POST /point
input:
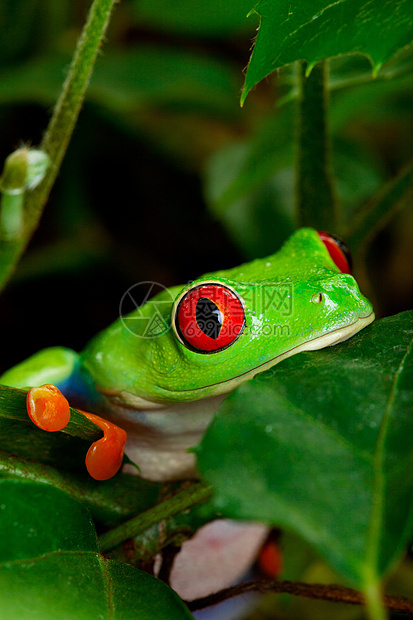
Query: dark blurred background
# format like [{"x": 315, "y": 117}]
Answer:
[{"x": 166, "y": 177}]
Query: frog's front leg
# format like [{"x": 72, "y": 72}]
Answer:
[
  {"x": 51, "y": 372},
  {"x": 55, "y": 365}
]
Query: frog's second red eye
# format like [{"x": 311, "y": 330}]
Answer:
[
  {"x": 209, "y": 317},
  {"x": 338, "y": 250}
]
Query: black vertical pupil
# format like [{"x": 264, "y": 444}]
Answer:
[{"x": 209, "y": 317}]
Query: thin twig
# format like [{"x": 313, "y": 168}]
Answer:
[
  {"x": 168, "y": 556},
  {"x": 332, "y": 593}
]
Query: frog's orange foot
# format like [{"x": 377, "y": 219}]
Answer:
[
  {"x": 49, "y": 410},
  {"x": 104, "y": 457}
]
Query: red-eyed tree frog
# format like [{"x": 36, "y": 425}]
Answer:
[{"x": 162, "y": 372}]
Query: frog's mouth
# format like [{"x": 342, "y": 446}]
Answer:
[
  {"x": 340, "y": 334},
  {"x": 336, "y": 336}
]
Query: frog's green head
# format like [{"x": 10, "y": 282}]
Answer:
[{"x": 206, "y": 338}]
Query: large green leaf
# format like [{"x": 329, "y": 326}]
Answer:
[
  {"x": 316, "y": 30},
  {"x": 50, "y": 566},
  {"x": 322, "y": 444}
]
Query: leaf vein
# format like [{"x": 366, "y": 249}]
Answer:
[
  {"x": 103, "y": 562},
  {"x": 58, "y": 552},
  {"x": 377, "y": 516},
  {"x": 316, "y": 16},
  {"x": 333, "y": 433}
]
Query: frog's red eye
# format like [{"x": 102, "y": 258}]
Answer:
[
  {"x": 338, "y": 251},
  {"x": 209, "y": 317}
]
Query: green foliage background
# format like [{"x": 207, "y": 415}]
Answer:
[{"x": 166, "y": 177}]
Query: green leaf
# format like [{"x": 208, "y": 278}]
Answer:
[
  {"x": 243, "y": 167},
  {"x": 109, "y": 501},
  {"x": 317, "y": 30},
  {"x": 206, "y": 18},
  {"x": 138, "y": 76},
  {"x": 50, "y": 566},
  {"x": 371, "y": 102},
  {"x": 29, "y": 528},
  {"x": 163, "y": 74},
  {"x": 321, "y": 444},
  {"x": 29, "y": 24},
  {"x": 260, "y": 220},
  {"x": 375, "y": 214}
]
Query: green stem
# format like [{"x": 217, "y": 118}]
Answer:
[
  {"x": 11, "y": 215},
  {"x": 59, "y": 130},
  {"x": 316, "y": 204},
  {"x": 135, "y": 526},
  {"x": 374, "y": 603},
  {"x": 375, "y": 215}
]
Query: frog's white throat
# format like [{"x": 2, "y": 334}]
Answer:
[{"x": 159, "y": 439}]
